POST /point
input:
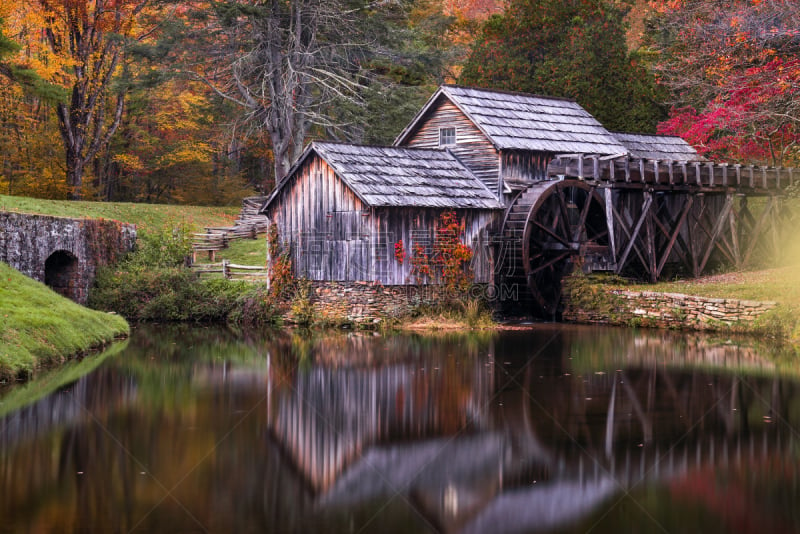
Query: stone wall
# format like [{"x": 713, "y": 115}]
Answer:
[
  {"x": 62, "y": 252},
  {"x": 366, "y": 302},
  {"x": 668, "y": 310}
]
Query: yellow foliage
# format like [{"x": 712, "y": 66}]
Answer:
[
  {"x": 31, "y": 161},
  {"x": 130, "y": 162}
]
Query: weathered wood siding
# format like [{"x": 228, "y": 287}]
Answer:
[
  {"x": 522, "y": 166},
  {"x": 325, "y": 224},
  {"x": 418, "y": 225},
  {"x": 472, "y": 147}
]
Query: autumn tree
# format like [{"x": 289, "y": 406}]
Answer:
[
  {"x": 568, "y": 48},
  {"x": 86, "y": 39},
  {"x": 733, "y": 69},
  {"x": 316, "y": 67},
  {"x": 7, "y": 48},
  {"x": 29, "y": 158}
]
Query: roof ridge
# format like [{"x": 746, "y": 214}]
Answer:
[
  {"x": 392, "y": 147},
  {"x": 508, "y": 92}
]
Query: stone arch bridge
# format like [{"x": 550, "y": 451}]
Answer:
[{"x": 61, "y": 252}]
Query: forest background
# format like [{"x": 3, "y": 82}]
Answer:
[{"x": 206, "y": 101}]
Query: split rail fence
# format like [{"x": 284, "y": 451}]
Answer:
[
  {"x": 215, "y": 238},
  {"x": 232, "y": 271}
]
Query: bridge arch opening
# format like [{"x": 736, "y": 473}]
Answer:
[{"x": 62, "y": 274}]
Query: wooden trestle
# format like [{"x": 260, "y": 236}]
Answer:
[{"x": 661, "y": 217}]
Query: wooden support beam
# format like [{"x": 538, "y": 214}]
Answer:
[
  {"x": 627, "y": 166},
  {"x": 718, "y": 226},
  {"x": 648, "y": 201},
  {"x": 724, "y": 246},
  {"x": 627, "y": 231},
  {"x": 693, "y": 243},
  {"x": 650, "y": 240},
  {"x": 641, "y": 171},
  {"x": 721, "y": 243},
  {"x": 751, "y": 181},
  {"x": 744, "y": 212},
  {"x": 608, "y": 197},
  {"x": 710, "y": 174},
  {"x": 669, "y": 170},
  {"x": 675, "y": 233},
  {"x": 735, "y": 239},
  {"x": 738, "y": 169},
  {"x": 679, "y": 241},
  {"x": 698, "y": 178},
  {"x": 775, "y": 227},
  {"x": 595, "y": 167},
  {"x": 584, "y": 213}
]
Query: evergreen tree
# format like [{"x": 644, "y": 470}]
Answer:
[{"x": 568, "y": 48}]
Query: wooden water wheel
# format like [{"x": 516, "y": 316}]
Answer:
[{"x": 554, "y": 226}]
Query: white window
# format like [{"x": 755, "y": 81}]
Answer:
[{"x": 447, "y": 136}]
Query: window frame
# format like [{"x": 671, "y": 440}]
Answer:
[{"x": 443, "y": 131}]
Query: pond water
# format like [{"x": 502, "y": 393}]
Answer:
[{"x": 550, "y": 429}]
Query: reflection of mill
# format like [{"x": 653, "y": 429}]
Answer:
[
  {"x": 329, "y": 417},
  {"x": 537, "y": 451}
]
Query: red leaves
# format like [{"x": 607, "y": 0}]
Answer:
[
  {"x": 738, "y": 69},
  {"x": 399, "y": 252},
  {"x": 449, "y": 258}
]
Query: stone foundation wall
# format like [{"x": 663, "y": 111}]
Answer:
[
  {"x": 27, "y": 241},
  {"x": 366, "y": 302},
  {"x": 670, "y": 310}
]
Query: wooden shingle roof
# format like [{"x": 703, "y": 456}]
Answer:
[
  {"x": 402, "y": 177},
  {"x": 660, "y": 147},
  {"x": 519, "y": 121}
]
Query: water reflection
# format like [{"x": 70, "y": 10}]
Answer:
[{"x": 556, "y": 428}]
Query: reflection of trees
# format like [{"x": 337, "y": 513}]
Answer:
[{"x": 459, "y": 428}]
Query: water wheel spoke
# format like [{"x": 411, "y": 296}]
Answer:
[
  {"x": 552, "y": 234},
  {"x": 565, "y": 218},
  {"x": 582, "y": 220},
  {"x": 564, "y": 211},
  {"x": 550, "y": 262}
]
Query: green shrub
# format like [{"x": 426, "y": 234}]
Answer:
[
  {"x": 779, "y": 323},
  {"x": 165, "y": 247},
  {"x": 166, "y": 294},
  {"x": 254, "y": 308},
  {"x": 476, "y": 314},
  {"x": 303, "y": 312}
]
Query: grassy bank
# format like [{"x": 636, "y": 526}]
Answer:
[
  {"x": 780, "y": 285},
  {"x": 39, "y": 327},
  {"x": 147, "y": 217}
]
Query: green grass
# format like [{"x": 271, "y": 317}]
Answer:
[
  {"x": 51, "y": 380},
  {"x": 244, "y": 252},
  {"x": 145, "y": 216},
  {"x": 39, "y": 327},
  {"x": 781, "y": 285}
]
